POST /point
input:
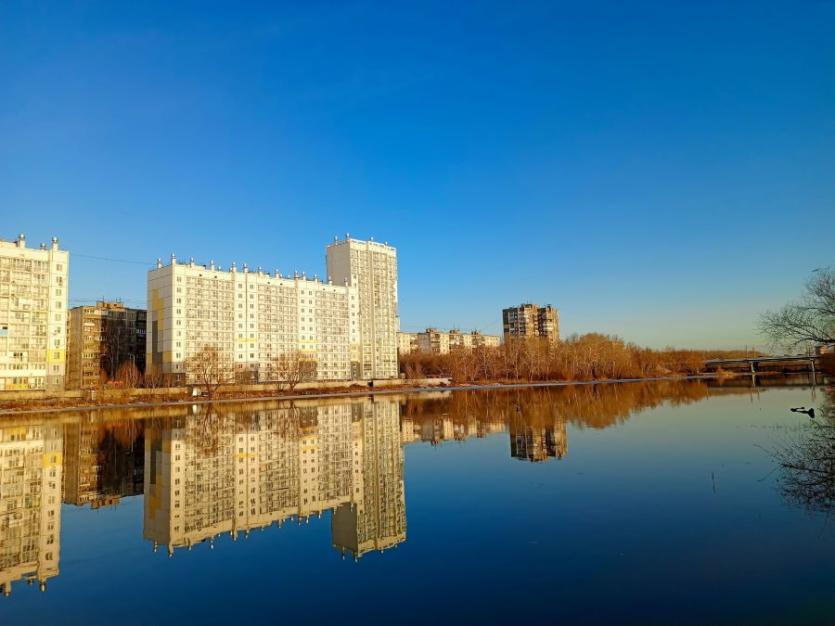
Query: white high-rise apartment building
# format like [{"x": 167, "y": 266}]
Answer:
[
  {"x": 251, "y": 317},
  {"x": 371, "y": 268},
  {"x": 33, "y": 309}
]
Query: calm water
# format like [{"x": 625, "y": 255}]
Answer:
[{"x": 644, "y": 503}]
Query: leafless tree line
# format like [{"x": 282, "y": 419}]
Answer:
[
  {"x": 211, "y": 369},
  {"x": 586, "y": 357}
]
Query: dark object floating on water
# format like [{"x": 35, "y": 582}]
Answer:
[{"x": 803, "y": 409}]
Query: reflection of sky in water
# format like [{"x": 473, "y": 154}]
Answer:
[{"x": 653, "y": 511}]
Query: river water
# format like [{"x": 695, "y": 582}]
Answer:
[{"x": 662, "y": 502}]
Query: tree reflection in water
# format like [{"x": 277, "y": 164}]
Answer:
[{"x": 807, "y": 464}]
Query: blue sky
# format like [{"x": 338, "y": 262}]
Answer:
[{"x": 661, "y": 171}]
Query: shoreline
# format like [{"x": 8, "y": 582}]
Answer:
[
  {"x": 372, "y": 391},
  {"x": 493, "y": 386}
]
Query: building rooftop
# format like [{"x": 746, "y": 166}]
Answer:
[
  {"x": 233, "y": 268},
  {"x": 20, "y": 242},
  {"x": 348, "y": 239}
]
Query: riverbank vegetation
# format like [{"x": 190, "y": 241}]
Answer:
[{"x": 585, "y": 357}]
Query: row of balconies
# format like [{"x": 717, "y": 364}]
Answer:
[
  {"x": 21, "y": 289},
  {"x": 26, "y": 265}
]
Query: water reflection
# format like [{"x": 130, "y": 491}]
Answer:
[
  {"x": 103, "y": 461},
  {"x": 231, "y": 469},
  {"x": 30, "y": 503},
  {"x": 234, "y": 471},
  {"x": 807, "y": 461}
]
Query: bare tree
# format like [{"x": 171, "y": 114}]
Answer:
[
  {"x": 808, "y": 320},
  {"x": 115, "y": 343},
  {"x": 153, "y": 377},
  {"x": 292, "y": 368},
  {"x": 209, "y": 369},
  {"x": 128, "y": 375}
]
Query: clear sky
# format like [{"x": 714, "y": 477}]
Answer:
[{"x": 663, "y": 171}]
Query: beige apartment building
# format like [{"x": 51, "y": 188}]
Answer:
[
  {"x": 531, "y": 320},
  {"x": 406, "y": 342},
  {"x": 33, "y": 306},
  {"x": 30, "y": 502},
  {"x": 100, "y": 338},
  {"x": 485, "y": 341},
  {"x": 457, "y": 339},
  {"x": 436, "y": 341},
  {"x": 371, "y": 268},
  {"x": 252, "y": 318}
]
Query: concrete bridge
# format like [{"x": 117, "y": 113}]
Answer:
[{"x": 753, "y": 363}]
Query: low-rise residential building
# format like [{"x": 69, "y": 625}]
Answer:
[
  {"x": 436, "y": 341},
  {"x": 457, "y": 339},
  {"x": 531, "y": 320},
  {"x": 33, "y": 306},
  {"x": 485, "y": 341},
  {"x": 100, "y": 338},
  {"x": 406, "y": 342}
]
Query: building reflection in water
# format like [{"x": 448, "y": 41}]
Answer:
[
  {"x": 538, "y": 443},
  {"x": 232, "y": 469},
  {"x": 103, "y": 461},
  {"x": 30, "y": 503}
]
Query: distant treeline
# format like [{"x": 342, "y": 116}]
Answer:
[{"x": 585, "y": 357}]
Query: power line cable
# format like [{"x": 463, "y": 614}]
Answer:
[{"x": 103, "y": 258}]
